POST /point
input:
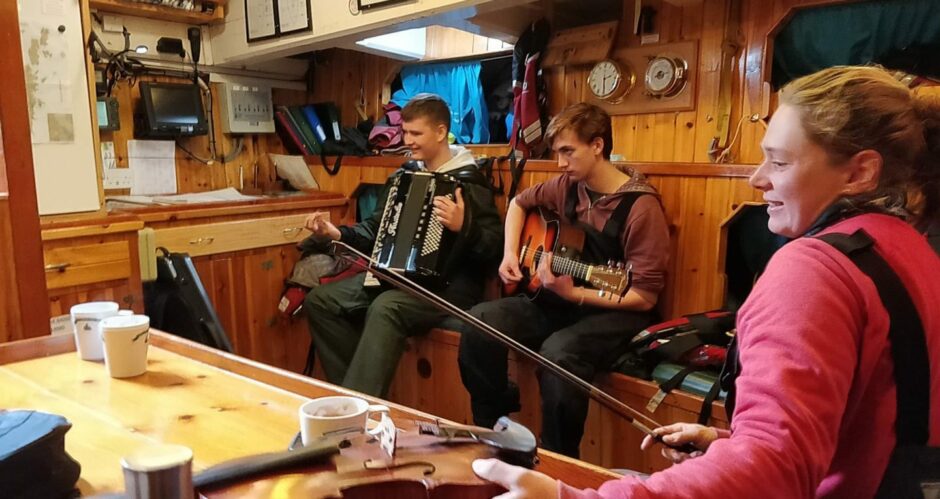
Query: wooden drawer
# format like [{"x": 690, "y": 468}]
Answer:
[
  {"x": 76, "y": 265},
  {"x": 209, "y": 239}
]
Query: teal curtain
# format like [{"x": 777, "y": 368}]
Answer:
[
  {"x": 818, "y": 38},
  {"x": 460, "y": 87}
]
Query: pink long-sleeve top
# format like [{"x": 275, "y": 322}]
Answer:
[{"x": 816, "y": 406}]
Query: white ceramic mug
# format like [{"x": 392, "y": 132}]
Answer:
[
  {"x": 86, "y": 322},
  {"x": 335, "y": 415},
  {"x": 125, "y": 338}
]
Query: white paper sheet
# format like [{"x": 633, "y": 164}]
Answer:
[
  {"x": 260, "y": 15},
  {"x": 153, "y": 163},
  {"x": 216, "y": 196},
  {"x": 48, "y": 88},
  {"x": 118, "y": 178},
  {"x": 108, "y": 158},
  {"x": 292, "y": 15},
  {"x": 294, "y": 169}
]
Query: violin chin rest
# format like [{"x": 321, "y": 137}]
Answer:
[{"x": 515, "y": 442}]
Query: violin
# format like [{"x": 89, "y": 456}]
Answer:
[{"x": 430, "y": 460}]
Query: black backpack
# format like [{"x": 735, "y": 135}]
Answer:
[{"x": 177, "y": 302}]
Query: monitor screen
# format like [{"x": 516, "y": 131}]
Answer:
[
  {"x": 102, "y": 114},
  {"x": 172, "y": 110},
  {"x": 176, "y": 104}
]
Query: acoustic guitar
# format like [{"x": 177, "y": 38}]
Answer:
[{"x": 544, "y": 232}]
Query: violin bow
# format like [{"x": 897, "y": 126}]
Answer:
[{"x": 633, "y": 416}]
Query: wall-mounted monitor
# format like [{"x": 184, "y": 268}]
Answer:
[
  {"x": 170, "y": 110},
  {"x": 108, "y": 116}
]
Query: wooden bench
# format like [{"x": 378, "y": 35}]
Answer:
[{"x": 428, "y": 379}]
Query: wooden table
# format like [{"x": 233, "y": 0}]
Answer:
[{"x": 220, "y": 405}]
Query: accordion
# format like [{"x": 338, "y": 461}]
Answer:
[{"x": 410, "y": 239}]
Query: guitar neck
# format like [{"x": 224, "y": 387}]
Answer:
[{"x": 574, "y": 268}]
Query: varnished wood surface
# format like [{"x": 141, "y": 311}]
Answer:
[
  {"x": 219, "y": 405},
  {"x": 163, "y": 216},
  {"x": 21, "y": 262},
  {"x": 222, "y": 237},
  {"x": 103, "y": 263}
]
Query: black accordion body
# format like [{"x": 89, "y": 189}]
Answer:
[{"x": 410, "y": 239}]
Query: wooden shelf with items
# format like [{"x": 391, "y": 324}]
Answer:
[{"x": 162, "y": 12}]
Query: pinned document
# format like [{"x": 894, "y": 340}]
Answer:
[{"x": 153, "y": 163}]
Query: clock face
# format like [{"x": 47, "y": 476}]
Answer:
[
  {"x": 607, "y": 80},
  {"x": 665, "y": 76}
]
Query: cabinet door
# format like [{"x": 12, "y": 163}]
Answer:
[{"x": 63, "y": 140}]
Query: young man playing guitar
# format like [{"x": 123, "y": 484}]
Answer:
[
  {"x": 571, "y": 325},
  {"x": 364, "y": 358}
]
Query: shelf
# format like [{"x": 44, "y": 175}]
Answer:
[{"x": 159, "y": 12}]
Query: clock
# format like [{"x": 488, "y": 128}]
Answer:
[
  {"x": 610, "y": 80},
  {"x": 666, "y": 76}
]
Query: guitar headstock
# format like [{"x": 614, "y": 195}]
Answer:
[{"x": 612, "y": 280}]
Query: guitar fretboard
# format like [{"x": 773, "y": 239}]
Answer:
[{"x": 566, "y": 266}]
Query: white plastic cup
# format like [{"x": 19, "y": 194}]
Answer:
[
  {"x": 126, "y": 338},
  {"x": 327, "y": 416},
  {"x": 86, "y": 322}
]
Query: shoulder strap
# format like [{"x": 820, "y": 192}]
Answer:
[
  {"x": 571, "y": 204},
  {"x": 905, "y": 334},
  {"x": 618, "y": 218}
]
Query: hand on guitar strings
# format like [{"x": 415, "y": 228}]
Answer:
[
  {"x": 509, "y": 270},
  {"x": 562, "y": 286},
  {"x": 520, "y": 483},
  {"x": 319, "y": 223},
  {"x": 450, "y": 211},
  {"x": 678, "y": 434}
]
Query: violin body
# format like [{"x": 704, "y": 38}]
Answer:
[{"x": 423, "y": 467}]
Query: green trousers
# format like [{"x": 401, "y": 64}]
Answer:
[{"x": 364, "y": 358}]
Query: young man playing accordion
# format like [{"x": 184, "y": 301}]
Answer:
[{"x": 365, "y": 359}]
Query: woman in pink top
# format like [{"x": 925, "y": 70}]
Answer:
[{"x": 849, "y": 148}]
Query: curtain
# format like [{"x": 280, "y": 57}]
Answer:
[
  {"x": 460, "y": 87},
  {"x": 860, "y": 33}
]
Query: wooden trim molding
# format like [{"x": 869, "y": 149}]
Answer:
[
  {"x": 543, "y": 165},
  {"x": 18, "y": 159}
]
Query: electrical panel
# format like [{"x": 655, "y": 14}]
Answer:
[{"x": 246, "y": 108}]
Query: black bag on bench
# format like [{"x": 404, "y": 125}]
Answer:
[{"x": 177, "y": 302}]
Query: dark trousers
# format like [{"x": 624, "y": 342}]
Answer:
[
  {"x": 364, "y": 358},
  {"x": 582, "y": 340}
]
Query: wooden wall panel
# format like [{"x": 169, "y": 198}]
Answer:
[
  {"x": 10, "y": 320},
  {"x": 443, "y": 42},
  {"x": 250, "y": 167},
  {"x": 245, "y": 288}
]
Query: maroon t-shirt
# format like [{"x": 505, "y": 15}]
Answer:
[{"x": 645, "y": 234}]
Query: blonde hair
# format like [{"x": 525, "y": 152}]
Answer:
[
  {"x": 587, "y": 121},
  {"x": 848, "y": 109}
]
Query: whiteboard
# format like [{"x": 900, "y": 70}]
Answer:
[{"x": 59, "y": 106}]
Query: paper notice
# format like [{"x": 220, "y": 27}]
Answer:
[
  {"x": 153, "y": 163},
  {"x": 295, "y": 170},
  {"x": 118, "y": 178}
]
